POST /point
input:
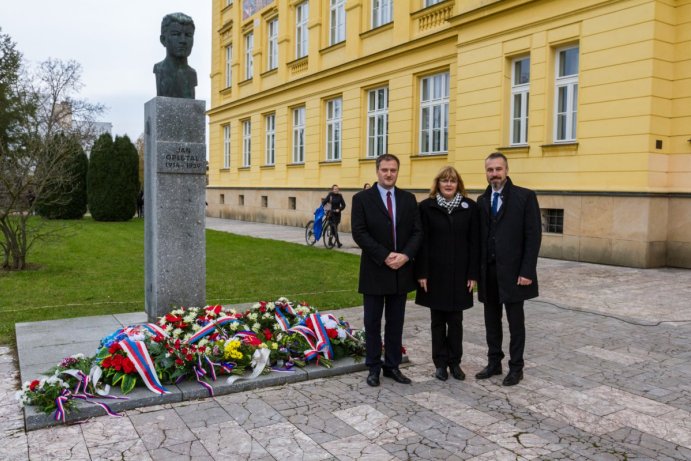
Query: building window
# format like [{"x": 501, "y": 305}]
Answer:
[
  {"x": 265, "y": 201},
  {"x": 299, "y": 135},
  {"x": 333, "y": 128},
  {"x": 337, "y": 20},
  {"x": 229, "y": 66},
  {"x": 249, "y": 59},
  {"x": 382, "y": 12},
  {"x": 272, "y": 45},
  {"x": 520, "y": 90},
  {"x": 377, "y": 121},
  {"x": 222, "y": 199},
  {"x": 241, "y": 200},
  {"x": 226, "y": 146},
  {"x": 432, "y": 2},
  {"x": 246, "y": 143},
  {"x": 292, "y": 203},
  {"x": 552, "y": 220},
  {"x": 270, "y": 146},
  {"x": 301, "y": 31},
  {"x": 434, "y": 114},
  {"x": 566, "y": 95},
  {"x": 229, "y": 2}
]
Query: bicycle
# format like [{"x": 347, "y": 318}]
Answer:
[{"x": 325, "y": 228}]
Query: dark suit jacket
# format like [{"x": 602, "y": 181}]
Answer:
[
  {"x": 517, "y": 242},
  {"x": 371, "y": 227},
  {"x": 449, "y": 256}
]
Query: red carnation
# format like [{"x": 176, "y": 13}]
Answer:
[
  {"x": 34, "y": 384},
  {"x": 262, "y": 309},
  {"x": 179, "y": 362},
  {"x": 267, "y": 334},
  {"x": 117, "y": 362},
  {"x": 177, "y": 344},
  {"x": 107, "y": 363},
  {"x": 252, "y": 340},
  {"x": 170, "y": 318},
  {"x": 128, "y": 366},
  {"x": 332, "y": 333},
  {"x": 189, "y": 357},
  {"x": 113, "y": 348}
]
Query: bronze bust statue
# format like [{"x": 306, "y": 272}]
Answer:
[{"x": 174, "y": 78}]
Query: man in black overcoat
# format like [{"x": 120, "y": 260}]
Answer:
[
  {"x": 386, "y": 226},
  {"x": 510, "y": 236}
]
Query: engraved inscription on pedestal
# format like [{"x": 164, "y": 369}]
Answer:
[{"x": 181, "y": 157}]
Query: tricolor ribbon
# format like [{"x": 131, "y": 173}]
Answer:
[
  {"x": 139, "y": 355},
  {"x": 210, "y": 327},
  {"x": 323, "y": 341},
  {"x": 308, "y": 334},
  {"x": 65, "y": 395}
]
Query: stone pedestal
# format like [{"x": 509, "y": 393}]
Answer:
[{"x": 174, "y": 201}]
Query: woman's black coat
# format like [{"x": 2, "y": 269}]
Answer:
[{"x": 449, "y": 255}]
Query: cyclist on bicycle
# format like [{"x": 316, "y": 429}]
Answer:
[{"x": 333, "y": 204}]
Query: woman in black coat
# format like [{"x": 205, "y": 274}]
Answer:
[
  {"x": 447, "y": 266},
  {"x": 337, "y": 204}
]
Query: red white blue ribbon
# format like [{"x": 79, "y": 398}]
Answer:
[
  {"x": 210, "y": 327},
  {"x": 65, "y": 395},
  {"x": 323, "y": 341},
  {"x": 139, "y": 355}
]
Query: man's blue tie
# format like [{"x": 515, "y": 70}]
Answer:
[{"x": 495, "y": 203}]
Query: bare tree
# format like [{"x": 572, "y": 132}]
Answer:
[{"x": 34, "y": 165}]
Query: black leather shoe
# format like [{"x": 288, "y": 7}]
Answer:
[
  {"x": 513, "y": 378},
  {"x": 373, "y": 379},
  {"x": 396, "y": 375},
  {"x": 441, "y": 374},
  {"x": 488, "y": 371},
  {"x": 456, "y": 372}
]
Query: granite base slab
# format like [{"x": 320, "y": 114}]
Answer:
[{"x": 41, "y": 345}]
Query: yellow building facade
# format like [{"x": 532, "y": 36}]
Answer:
[{"x": 589, "y": 100}]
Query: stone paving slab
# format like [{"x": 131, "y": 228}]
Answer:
[
  {"x": 577, "y": 401},
  {"x": 607, "y": 378}
]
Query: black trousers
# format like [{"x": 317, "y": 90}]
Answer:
[
  {"x": 447, "y": 337},
  {"x": 393, "y": 309},
  {"x": 493, "y": 315}
]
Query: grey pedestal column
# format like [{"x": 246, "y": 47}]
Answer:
[{"x": 174, "y": 205}]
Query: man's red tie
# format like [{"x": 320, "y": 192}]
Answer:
[{"x": 389, "y": 207}]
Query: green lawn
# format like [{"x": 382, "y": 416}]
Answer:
[{"x": 98, "y": 268}]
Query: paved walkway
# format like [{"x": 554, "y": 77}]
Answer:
[{"x": 608, "y": 377}]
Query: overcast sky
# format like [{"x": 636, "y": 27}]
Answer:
[{"x": 115, "y": 41}]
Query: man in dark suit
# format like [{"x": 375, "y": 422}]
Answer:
[
  {"x": 510, "y": 236},
  {"x": 386, "y": 225}
]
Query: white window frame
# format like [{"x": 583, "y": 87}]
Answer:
[
  {"x": 226, "y": 146},
  {"x": 337, "y": 21},
  {"x": 270, "y": 138},
  {"x": 249, "y": 58},
  {"x": 299, "y": 135},
  {"x": 569, "y": 84},
  {"x": 382, "y": 12},
  {"x": 334, "y": 132},
  {"x": 437, "y": 101},
  {"x": 520, "y": 99},
  {"x": 432, "y": 2},
  {"x": 301, "y": 30},
  {"x": 377, "y": 121},
  {"x": 272, "y": 44},
  {"x": 246, "y": 143},
  {"x": 229, "y": 66}
]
